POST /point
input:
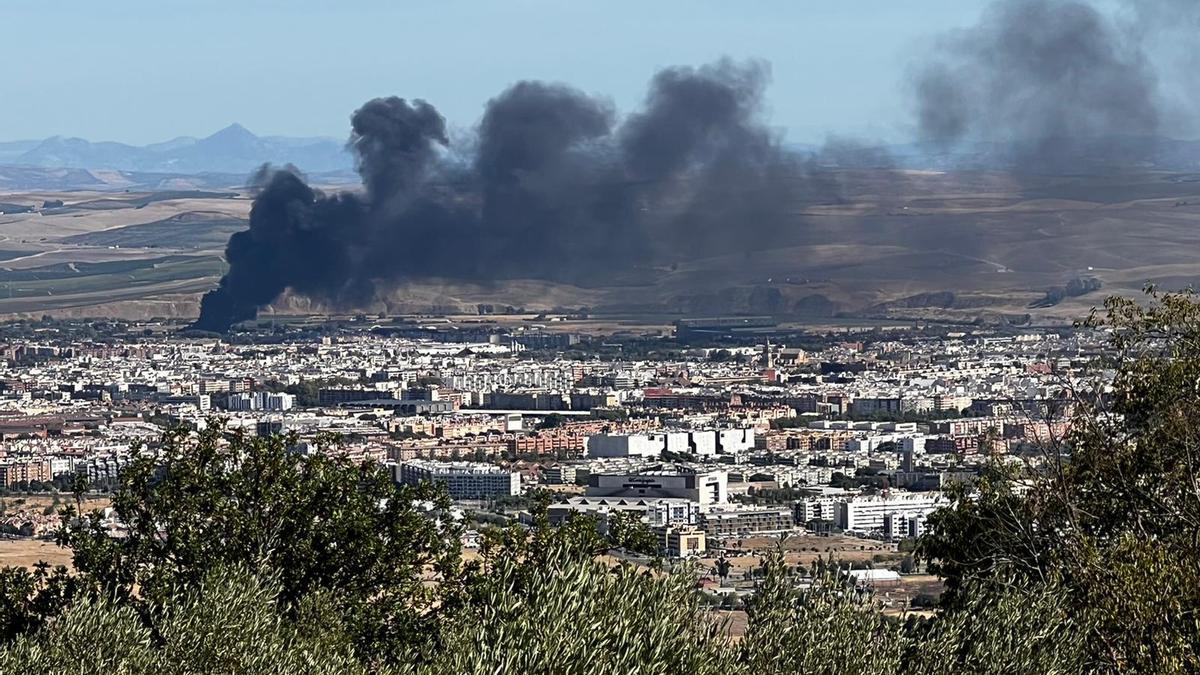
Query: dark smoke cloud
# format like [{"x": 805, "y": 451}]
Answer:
[
  {"x": 1055, "y": 81},
  {"x": 396, "y": 143},
  {"x": 543, "y": 169},
  {"x": 699, "y": 144},
  {"x": 697, "y": 117},
  {"x": 555, "y": 189},
  {"x": 288, "y": 232}
]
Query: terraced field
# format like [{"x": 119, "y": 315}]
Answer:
[
  {"x": 124, "y": 254},
  {"x": 202, "y": 230}
]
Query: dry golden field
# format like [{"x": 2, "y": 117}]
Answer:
[{"x": 28, "y": 552}]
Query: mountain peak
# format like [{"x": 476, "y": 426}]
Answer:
[{"x": 234, "y": 131}]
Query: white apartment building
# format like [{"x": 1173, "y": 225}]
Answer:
[
  {"x": 276, "y": 402},
  {"x": 899, "y": 525},
  {"x": 895, "y": 514},
  {"x": 871, "y": 513},
  {"x": 628, "y": 445},
  {"x": 563, "y": 474},
  {"x": 702, "y": 442},
  {"x": 555, "y": 378},
  {"x": 261, "y": 400},
  {"x": 817, "y": 508},
  {"x": 463, "y": 480},
  {"x": 793, "y": 476}
]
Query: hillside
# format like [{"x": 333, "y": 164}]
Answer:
[{"x": 896, "y": 245}]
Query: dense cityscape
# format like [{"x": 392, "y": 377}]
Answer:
[{"x": 718, "y": 435}]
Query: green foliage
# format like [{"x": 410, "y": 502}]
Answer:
[
  {"x": 991, "y": 531},
  {"x": 306, "y": 391},
  {"x": 1109, "y": 519},
  {"x": 723, "y": 567},
  {"x": 789, "y": 423},
  {"x": 230, "y": 623},
  {"x": 609, "y": 414},
  {"x": 30, "y": 598},
  {"x": 784, "y": 495},
  {"x": 720, "y": 356},
  {"x": 1001, "y": 631},
  {"x": 571, "y": 613},
  {"x": 626, "y": 530},
  {"x": 94, "y": 637},
  {"x": 318, "y": 523},
  {"x": 540, "y": 601},
  {"x": 829, "y": 627}
]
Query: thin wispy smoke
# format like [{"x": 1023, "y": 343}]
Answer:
[{"x": 1053, "y": 82}]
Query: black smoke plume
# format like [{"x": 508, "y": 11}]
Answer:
[
  {"x": 1052, "y": 85},
  {"x": 556, "y": 187}
]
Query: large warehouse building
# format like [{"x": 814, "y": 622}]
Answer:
[{"x": 706, "y": 488}]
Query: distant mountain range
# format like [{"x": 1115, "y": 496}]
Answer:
[
  {"x": 237, "y": 151},
  {"x": 233, "y": 149}
]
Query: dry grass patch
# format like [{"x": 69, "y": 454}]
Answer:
[{"x": 28, "y": 552}]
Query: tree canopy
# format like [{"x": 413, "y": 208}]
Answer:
[
  {"x": 314, "y": 524},
  {"x": 1110, "y": 517}
]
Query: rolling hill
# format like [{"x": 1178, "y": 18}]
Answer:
[{"x": 898, "y": 245}]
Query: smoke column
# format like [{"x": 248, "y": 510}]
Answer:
[
  {"x": 557, "y": 188},
  {"x": 1055, "y": 81}
]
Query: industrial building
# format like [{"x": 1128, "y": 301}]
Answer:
[
  {"x": 709, "y": 328},
  {"x": 654, "y": 512},
  {"x": 706, "y": 488}
]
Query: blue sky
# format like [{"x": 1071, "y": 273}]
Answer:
[{"x": 140, "y": 71}]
